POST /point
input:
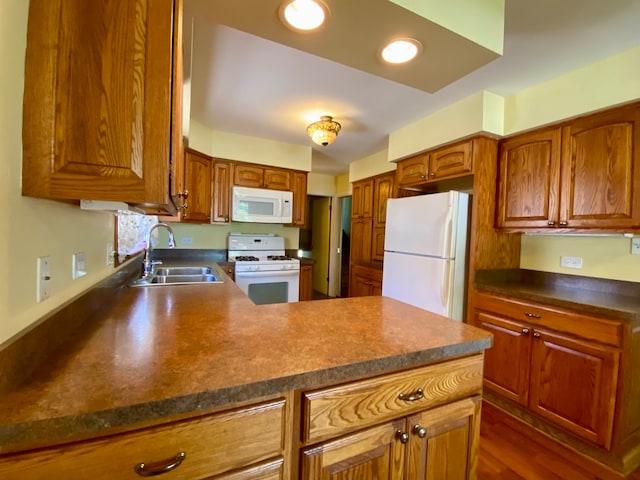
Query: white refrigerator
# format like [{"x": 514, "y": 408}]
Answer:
[{"x": 425, "y": 250}]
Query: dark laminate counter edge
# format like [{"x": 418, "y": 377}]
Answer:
[
  {"x": 594, "y": 296},
  {"x": 63, "y": 429}
]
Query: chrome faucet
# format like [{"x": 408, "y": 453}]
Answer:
[{"x": 147, "y": 264}]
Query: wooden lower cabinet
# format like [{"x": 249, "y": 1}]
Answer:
[
  {"x": 570, "y": 375},
  {"x": 212, "y": 445},
  {"x": 306, "y": 283},
  {"x": 365, "y": 281}
]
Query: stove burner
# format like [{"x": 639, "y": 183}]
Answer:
[
  {"x": 278, "y": 257},
  {"x": 246, "y": 258}
]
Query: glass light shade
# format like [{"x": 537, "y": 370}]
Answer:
[
  {"x": 325, "y": 131},
  {"x": 303, "y": 14},
  {"x": 401, "y": 50}
]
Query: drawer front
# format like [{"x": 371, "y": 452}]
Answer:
[
  {"x": 366, "y": 272},
  {"x": 333, "y": 411},
  {"x": 590, "y": 328},
  {"x": 213, "y": 444}
]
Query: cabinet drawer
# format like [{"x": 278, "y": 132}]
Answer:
[
  {"x": 368, "y": 273},
  {"x": 213, "y": 444},
  {"x": 333, "y": 411},
  {"x": 590, "y": 328}
]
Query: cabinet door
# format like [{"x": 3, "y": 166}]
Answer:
[
  {"x": 377, "y": 244},
  {"x": 529, "y": 180},
  {"x": 413, "y": 171},
  {"x": 601, "y": 171},
  {"x": 97, "y": 101},
  {"x": 248, "y": 176},
  {"x": 177, "y": 145},
  {"x": 221, "y": 192},
  {"x": 197, "y": 204},
  {"x": 452, "y": 161},
  {"x": 306, "y": 283},
  {"x": 299, "y": 184},
  {"x": 506, "y": 364},
  {"x": 573, "y": 383},
  {"x": 266, "y": 471},
  {"x": 276, "y": 179},
  {"x": 362, "y": 199},
  {"x": 361, "y": 234},
  {"x": 444, "y": 442},
  {"x": 372, "y": 453},
  {"x": 382, "y": 190}
]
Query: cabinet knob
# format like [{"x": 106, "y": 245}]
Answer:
[
  {"x": 563, "y": 223},
  {"x": 423, "y": 177},
  {"x": 412, "y": 397},
  {"x": 402, "y": 436},
  {"x": 145, "y": 470},
  {"x": 525, "y": 331},
  {"x": 536, "y": 335},
  {"x": 551, "y": 223},
  {"x": 531, "y": 315},
  {"x": 184, "y": 194},
  {"x": 432, "y": 174},
  {"x": 420, "y": 431}
]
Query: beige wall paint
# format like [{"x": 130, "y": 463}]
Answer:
[
  {"x": 249, "y": 149},
  {"x": 320, "y": 252},
  {"x": 480, "y": 112},
  {"x": 215, "y": 236},
  {"x": 602, "y": 257},
  {"x": 369, "y": 166},
  {"x": 482, "y": 22},
  {"x": 34, "y": 227},
  {"x": 343, "y": 185},
  {"x": 611, "y": 81},
  {"x": 321, "y": 185}
]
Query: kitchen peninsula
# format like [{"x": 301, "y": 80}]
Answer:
[{"x": 197, "y": 381}]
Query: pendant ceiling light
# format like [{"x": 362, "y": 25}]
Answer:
[{"x": 325, "y": 131}]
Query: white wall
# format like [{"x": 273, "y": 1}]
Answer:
[{"x": 33, "y": 227}]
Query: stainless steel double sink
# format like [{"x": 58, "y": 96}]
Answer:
[{"x": 179, "y": 275}]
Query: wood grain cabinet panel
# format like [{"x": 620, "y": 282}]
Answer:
[
  {"x": 306, "y": 283},
  {"x": 362, "y": 199},
  {"x": 364, "y": 281},
  {"x": 249, "y": 175},
  {"x": 451, "y": 161},
  {"x": 213, "y": 445},
  {"x": 581, "y": 174},
  {"x": 413, "y": 171},
  {"x": 221, "y": 208},
  {"x": 98, "y": 106},
  {"x": 550, "y": 370},
  {"x": 196, "y": 206},
  {"x": 299, "y": 188}
]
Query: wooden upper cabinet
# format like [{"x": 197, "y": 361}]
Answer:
[
  {"x": 98, "y": 106},
  {"x": 382, "y": 191},
  {"x": 196, "y": 206},
  {"x": 261, "y": 177},
  {"x": 529, "y": 179},
  {"x": 413, "y": 171},
  {"x": 362, "y": 199},
  {"x": 451, "y": 161},
  {"x": 299, "y": 188},
  {"x": 221, "y": 192},
  {"x": 582, "y": 174},
  {"x": 601, "y": 170}
]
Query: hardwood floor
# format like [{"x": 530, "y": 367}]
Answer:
[{"x": 508, "y": 454}]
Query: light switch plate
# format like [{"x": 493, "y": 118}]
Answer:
[
  {"x": 571, "y": 262},
  {"x": 79, "y": 265},
  {"x": 635, "y": 246}
]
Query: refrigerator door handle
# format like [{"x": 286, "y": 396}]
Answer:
[
  {"x": 446, "y": 283},
  {"x": 448, "y": 234}
]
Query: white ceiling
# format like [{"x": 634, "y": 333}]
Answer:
[{"x": 242, "y": 83}]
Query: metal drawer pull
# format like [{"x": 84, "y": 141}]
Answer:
[
  {"x": 145, "y": 470},
  {"x": 525, "y": 331},
  {"x": 417, "y": 395},
  {"x": 402, "y": 436},
  {"x": 532, "y": 315},
  {"x": 420, "y": 431},
  {"x": 536, "y": 334}
]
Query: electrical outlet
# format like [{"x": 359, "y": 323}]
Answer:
[
  {"x": 43, "y": 283},
  {"x": 635, "y": 246},
  {"x": 110, "y": 254},
  {"x": 571, "y": 262},
  {"x": 78, "y": 265},
  {"x": 186, "y": 240}
]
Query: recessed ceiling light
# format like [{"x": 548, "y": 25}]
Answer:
[
  {"x": 303, "y": 15},
  {"x": 401, "y": 50}
]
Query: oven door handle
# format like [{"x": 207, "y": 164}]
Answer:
[{"x": 265, "y": 273}]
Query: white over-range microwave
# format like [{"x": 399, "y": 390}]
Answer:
[{"x": 260, "y": 205}]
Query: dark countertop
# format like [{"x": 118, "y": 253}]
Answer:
[
  {"x": 147, "y": 354},
  {"x": 609, "y": 298}
]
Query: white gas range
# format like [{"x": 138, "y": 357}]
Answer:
[{"x": 262, "y": 269}]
